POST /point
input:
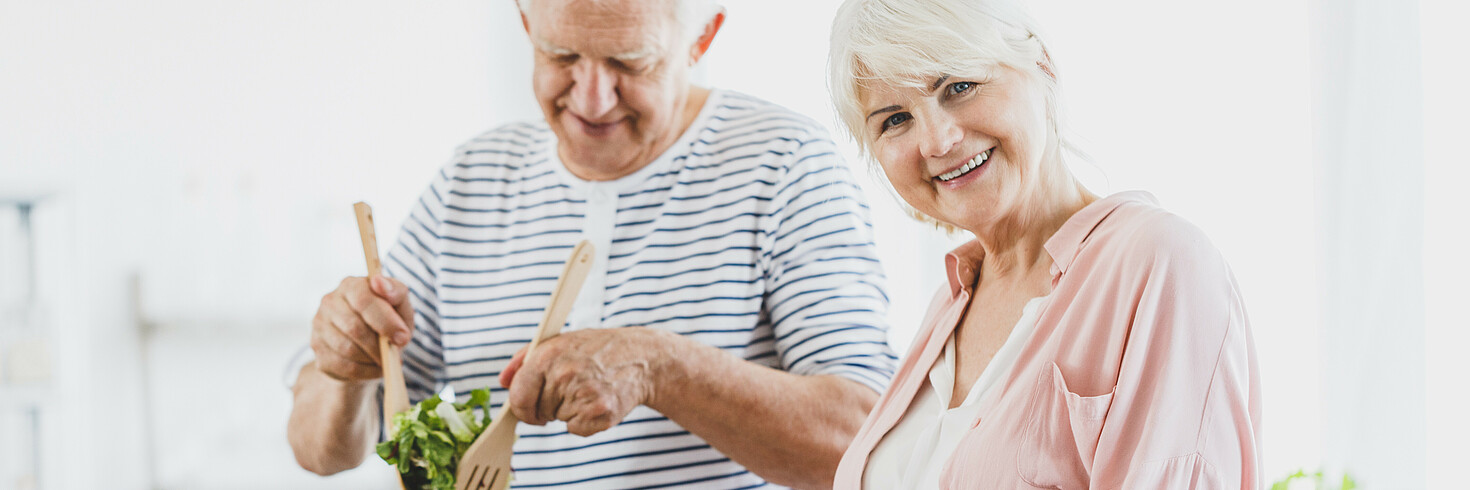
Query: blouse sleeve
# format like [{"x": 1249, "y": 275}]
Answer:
[{"x": 1186, "y": 411}]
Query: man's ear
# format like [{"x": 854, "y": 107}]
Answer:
[{"x": 708, "y": 36}]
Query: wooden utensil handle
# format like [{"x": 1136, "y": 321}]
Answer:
[
  {"x": 395, "y": 392},
  {"x": 490, "y": 454},
  {"x": 564, "y": 296}
]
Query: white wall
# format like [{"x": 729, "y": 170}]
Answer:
[
  {"x": 1369, "y": 139},
  {"x": 1445, "y": 44}
]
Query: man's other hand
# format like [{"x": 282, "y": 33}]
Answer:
[{"x": 589, "y": 378}]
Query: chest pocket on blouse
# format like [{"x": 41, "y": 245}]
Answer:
[{"x": 1061, "y": 433}]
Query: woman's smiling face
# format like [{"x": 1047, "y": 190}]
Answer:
[{"x": 965, "y": 150}]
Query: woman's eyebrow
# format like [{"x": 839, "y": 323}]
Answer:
[
  {"x": 885, "y": 109},
  {"x": 938, "y": 82}
]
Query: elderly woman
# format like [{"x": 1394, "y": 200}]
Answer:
[{"x": 1081, "y": 341}]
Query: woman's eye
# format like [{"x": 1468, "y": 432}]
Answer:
[
  {"x": 894, "y": 120},
  {"x": 960, "y": 87}
]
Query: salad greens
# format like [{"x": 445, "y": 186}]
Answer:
[{"x": 427, "y": 440}]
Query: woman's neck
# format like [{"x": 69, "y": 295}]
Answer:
[{"x": 1016, "y": 243}]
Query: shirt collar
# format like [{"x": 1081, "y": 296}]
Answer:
[
  {"x": 959, "y": 265},
  {"x": 1063, "y": 246}
]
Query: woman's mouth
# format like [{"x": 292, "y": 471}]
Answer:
[{"x": 968, "y": 167}]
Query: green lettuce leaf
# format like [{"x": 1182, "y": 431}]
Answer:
[{"x": 428, "y": 439}]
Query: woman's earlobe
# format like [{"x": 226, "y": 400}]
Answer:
[
  {"x": 1045, "y": 64},
  {"x": 1046, "y": 68}
]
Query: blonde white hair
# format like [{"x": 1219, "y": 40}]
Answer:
[
  {"x": 911, "y": 43},
  {"x": 692, "y": 15}
]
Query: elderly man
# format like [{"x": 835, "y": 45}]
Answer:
[{"x": 731, "y": 332}]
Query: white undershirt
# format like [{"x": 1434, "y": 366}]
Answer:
[
  {"x": 913, "y": 453},
  {"x": 602, "y": 210}
]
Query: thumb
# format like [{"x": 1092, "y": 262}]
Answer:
[
  {"x": 508, "y": 374},
  {"x": 396, "y": 293}
]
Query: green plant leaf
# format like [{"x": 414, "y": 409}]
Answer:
[{"x": 428, "y": 440}]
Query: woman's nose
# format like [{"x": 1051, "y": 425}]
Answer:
[{"x": 940, "y": 135}]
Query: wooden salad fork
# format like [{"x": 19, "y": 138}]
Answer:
[
  {"x": 486, "y": 464},
  {"x": 395, "y": 393}
]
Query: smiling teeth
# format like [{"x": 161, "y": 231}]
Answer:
[{"x": 972, "y": 165}]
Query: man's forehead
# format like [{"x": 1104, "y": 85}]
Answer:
[
  {"x": 611, "y": 6},
  {"x": 603, "y": 28}
]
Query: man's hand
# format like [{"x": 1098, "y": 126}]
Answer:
[
  {"x": 333, "y": 420},
  {"x": 790, "y": 429},
  {"x": 589, "y": 378},
  {"x": 344, "y": 333}
]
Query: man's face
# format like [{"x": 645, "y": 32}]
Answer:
[{"x": 612, "y": 80}]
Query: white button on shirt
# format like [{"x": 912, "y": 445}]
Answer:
[
  {"x": 913, "y": 453},
  {"x": 602, "y": 211}
]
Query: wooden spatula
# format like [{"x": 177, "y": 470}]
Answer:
[
  {"x": 395, "y": 394},
  {"x": 486, "y": 464}
]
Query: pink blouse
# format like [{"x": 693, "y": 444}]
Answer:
[{"x": 1141, "y": 373}]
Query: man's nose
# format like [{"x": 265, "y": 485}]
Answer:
[
  {"x": 940, "y": 134},
  {"x": 594, "y": 90}
]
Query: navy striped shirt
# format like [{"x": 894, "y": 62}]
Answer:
[{"x": 748, "y": 234}]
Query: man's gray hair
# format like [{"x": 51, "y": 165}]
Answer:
[{"x": 692, "y": 15}]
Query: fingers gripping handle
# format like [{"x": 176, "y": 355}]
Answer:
[
  {"x": 395, "y": 394},
  {"x": 563, "y": 297}
]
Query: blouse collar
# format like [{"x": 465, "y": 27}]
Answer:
[{"x": 1063, "y": 246}]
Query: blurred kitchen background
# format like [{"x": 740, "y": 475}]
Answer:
[{"x": 176, "y": 180}]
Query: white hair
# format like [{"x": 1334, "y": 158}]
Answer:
[
  {"x": 911, "y": 43},
  {"x": 692, "y": 15}
]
